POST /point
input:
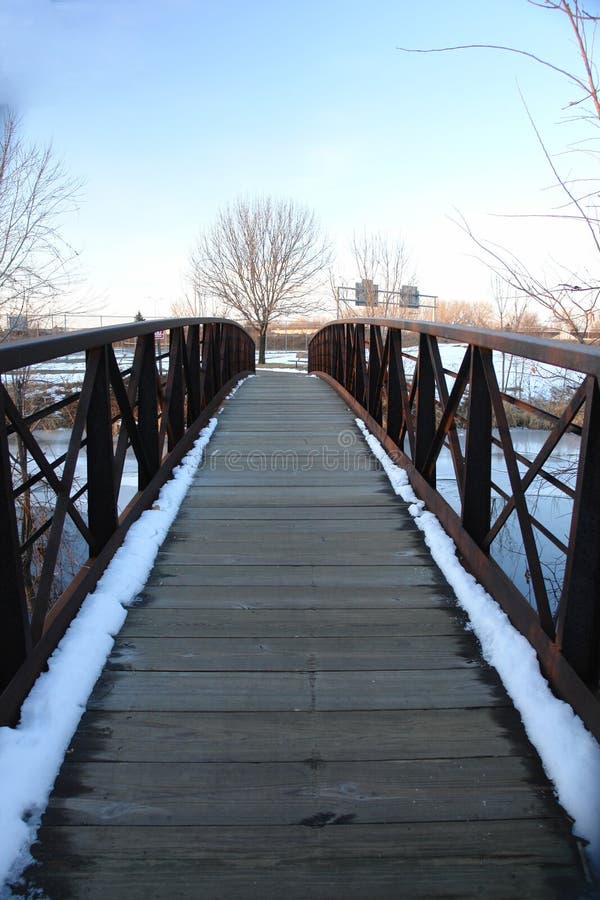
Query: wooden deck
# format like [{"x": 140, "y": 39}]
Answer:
[{"x": 295, "y": 710}]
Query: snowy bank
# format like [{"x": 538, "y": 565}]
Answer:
[
  {"x": 569, "y": 753},
  {"x": 32, "y": 753}
]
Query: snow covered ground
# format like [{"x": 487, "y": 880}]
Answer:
[{"x": 285, "y": 358}]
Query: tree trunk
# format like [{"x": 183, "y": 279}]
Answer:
[{"x": 262, "y": 345}]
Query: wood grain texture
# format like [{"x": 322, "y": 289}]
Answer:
[
  {"x": 294, "y": 654},
  {"x": 171, "y": 736},
  {"x": 150, "y": 621},
  {"x": 298, "y": 596},
  {"x": 294, "y": 708},
  {"x": 475, "y": 788}
]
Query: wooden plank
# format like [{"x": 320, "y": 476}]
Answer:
[
  {"x": 308, "y": 552},
  {"x": 151, "y": 621},
  {"x": 356, "y": 576},
  {"x": 294, "y": 426},
  {"x": 299, "y": 495},
  {"x": 385, "y": 527},
  {"x": 496, "y": 840},
  {"x": 376, "y": 879},
  {"x": 297, "y": 654},
  {"x": 203, "y": 512},
  {"x": 471, "y": 789},
  {"x": 172, "y": 737},
  {"x": 297, "y": 596},
  {"x": 280, "y": 442},
  {"x": 305, "y": 541},
  {"x": 497, "y": 859},
  {"x": 342, "y": 446},
  {"x": 236, "y": 691},
  {"x": 268, "y": 478}
]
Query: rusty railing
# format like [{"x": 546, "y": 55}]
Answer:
[
  {"x": 147, "y": 388},
  {"x": 393, "y": 374}
]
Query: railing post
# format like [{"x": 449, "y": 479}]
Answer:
[
  {"x": 579, "y": 628},
  {"x": 211, "y": 340},
  {"x": 477, "y": 502},
  {"x": 394, "y": 409},
  {"x": 338, "y": 361},
  {"x": 375, "y": 354},
  {"x": 174, "y": 392},
  {"x": 193, "y": 373},
  {"x": 14, "y": 621},
  {"x": 102, "y": 502},
  {"x": 425, "y": 426},
  {"x": 148, "y": 410},
  {"x": 348, "y": 372},
  {"x": 225, "y": 354},
  {"x": 360, "y": 387}
]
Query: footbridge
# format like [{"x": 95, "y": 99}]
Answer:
[{"x": 294, "y": 706}]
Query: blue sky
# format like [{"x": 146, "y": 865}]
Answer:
[{"x": 167, "y": 111}]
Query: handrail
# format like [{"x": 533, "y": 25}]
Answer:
[
  {"x": 121, "y": 404},
  {"x": 419, "y": 408}
]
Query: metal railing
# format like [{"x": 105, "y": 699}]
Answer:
[
  {"x": 425, "y": 411},
  {"x": 142, "y": 390}
]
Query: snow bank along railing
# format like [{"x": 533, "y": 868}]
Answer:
[
  {"x": 147, "y": 387},
  {"x": 391, "y": 372}
]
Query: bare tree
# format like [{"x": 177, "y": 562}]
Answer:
[
  {"x": 383, "y": 265},
  {"x": 512, "y": 313},
  {"x": 461, "y": 312},
  {"x": 196, "y": 304},
  {"x": 36, "y": 263},
  {"x": 571, "y": 297},
  {"x": 261, "y": 258}
]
